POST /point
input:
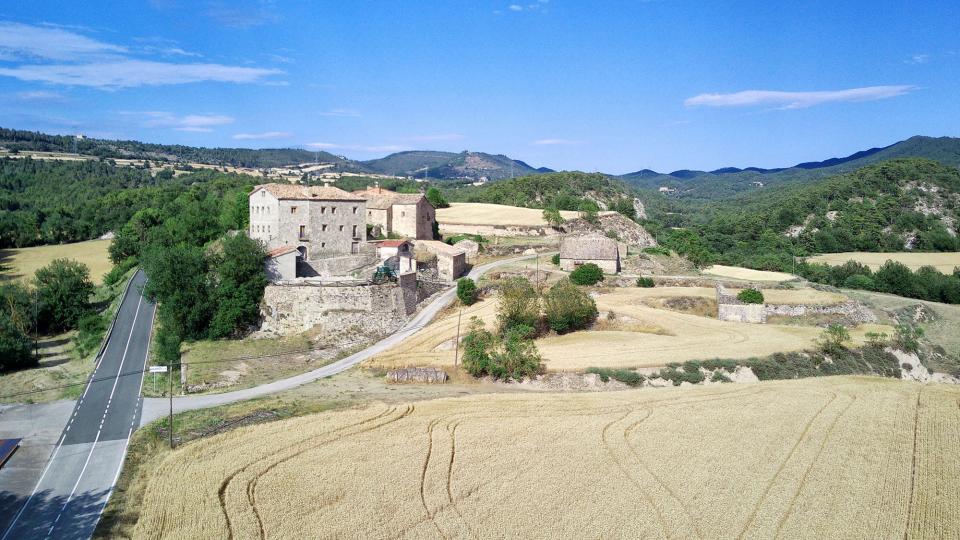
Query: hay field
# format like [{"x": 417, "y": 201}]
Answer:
[
  {"x": 667, "y": 336},
  {"x": 838, "y": 457},
  {"x": 748, "y": 274},
  {"x": 21, "y": 263},
  {"x": 495, "y": 214},
  {"x": 944, "y": 262}
]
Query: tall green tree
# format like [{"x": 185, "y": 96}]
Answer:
[
  {"x": 239, "y": 282},
  {"x": 178, "y": 282},
  {"x": 14, "y": 346},
  {"x": 436, "y": 198},
  {"x": 519, "y": 306},
  {"x": 63, "y": 292},
  {"x": 568, "y": 308}
]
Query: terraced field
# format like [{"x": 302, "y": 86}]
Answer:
[
  {"x": 828, "y": 458},
  {"x": 647, "y": 336},
  {"x": 944, "y": 262}
]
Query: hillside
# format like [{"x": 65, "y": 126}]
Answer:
[
  {"x": 561, "y": 190},
  {"x": 731, "y": 181},
  {"x": 449, "y": 165}
]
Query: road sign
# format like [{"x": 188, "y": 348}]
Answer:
[{"x": 158, "y": 369}]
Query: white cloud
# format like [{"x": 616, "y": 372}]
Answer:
[
  {"x": 242, "y": 14},
  {"x": 919, "y": 59},
  {"x": 346, "y": 113},
  {"x": 24, "y": 41},
  {"x": 197, "y": 123},
  {"x": 556, "y": 142},
  {"x": 39, "y": 95},
  {"x": 515, "y": 7},
  {"x": 796, "y": 100},
  {"x": 133, "y": 73},
  {"x": 262, "y": 136},
  {"x": 358, "y": 147}
]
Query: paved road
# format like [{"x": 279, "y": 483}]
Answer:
[
  {"x": 83, "y": 469},
  {"x": 154, "y": 408}
]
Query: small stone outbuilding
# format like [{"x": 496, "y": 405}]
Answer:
[
  {"x": 471, "y": 247},
  {"x": 451, "y": 260},
  {"x": 397, "y": 254},
  {"x": 281, "y": 264},
  {"x": 599, "y": 250}
]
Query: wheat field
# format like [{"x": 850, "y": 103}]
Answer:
[
  {"x": 944, "y": 262},
  {"x": 495, "y": 214},
  {"x": 22, "y": 263},
  {"x": 816, "y": 458},
  {"x": 650, "y": 337},
  {"x": 748, "y": 274}
]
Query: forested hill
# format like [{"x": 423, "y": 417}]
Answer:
[
  {"x": 896, "y": 205},
  {"x": 560, "y": 190},
  {"x": 441, "y": 165},
  {"x": 731, "y": 181},
  {"x": 21, "y": 141}
]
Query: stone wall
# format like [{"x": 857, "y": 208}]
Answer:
[
  {"x": 744, "y": 313},
  {"x": 343, "y": 265},
  {"x": 852, "y": 311},
  {"x": 367, "y": 309}
]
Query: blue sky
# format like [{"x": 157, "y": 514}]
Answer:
[{"x": 611, "y": 86}]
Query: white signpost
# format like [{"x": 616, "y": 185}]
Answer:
[{"x": 155, "y": 370}]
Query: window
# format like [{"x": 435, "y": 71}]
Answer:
[
  {"x": 341, "y": 228},
  {"x": 403, "y": 214},
  {"x": 263, "y": 193},
  {"x": 354, "y": 231},
  {"x": 323, "y": 227},
  {"x": 323, "y": 209},
  {"x": 303, "y": 232},
  {"x": 354, "y": 209},
  {"x": 333, "y": 209},
  {"x": 323, "y": 244},
  {"x": 293, "y": 209}
]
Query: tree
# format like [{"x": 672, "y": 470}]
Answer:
[
  {"x": 14, "y": 346},
  {"x": 568, "y": 308},
  {"x": 589, "y": 212},
  {"x": 63, "y": 292},
  {"x": 167, "y": 346},
  {"x": 750, "y": 296},
  {"x": 18, "y": 302},
  {"x": 833, "y": 338},
  {"x": 624, "y": 206},
  {"x": 135, "y": 234},
  {"x": 519, "y": 306},
  {"x": 436, "y": 198},
  {"x": 239, "y": 282},
  {"x": 178, "y": 283},
  {"x": 512, "y": 356},
  {"x": 466, "y": 291},
  {"x": 553, "y": 217},
  {"x": 587, "y": 274}
]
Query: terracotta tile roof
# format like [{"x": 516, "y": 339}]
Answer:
[
  {"x": 393, "y": 243},
  {"x": 382, "y": 199},
  {"x": 273, "y": 253},
  {"x": 308, "y": 193}
]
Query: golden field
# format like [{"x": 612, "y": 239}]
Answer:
[
  {"x": 641, "y": 335},
  {"x": 748, "y": 274},
  {"x": 495, "y": 214},
  {"x": 944, "y": 262},
  {"x": 816, "y": 458},
  {"x": 21, "y": 263}
]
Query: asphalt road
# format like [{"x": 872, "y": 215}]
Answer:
[
  {"x": 79, "y": 477},
  {"x": 157, "y": 407}
]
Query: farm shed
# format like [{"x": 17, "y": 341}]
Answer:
[
  {"x": 398, "y": 251},
  {"x": 451, "y": 260},
  {"x": 281, "y": 264},
  {"x": 594, "y": 248}
]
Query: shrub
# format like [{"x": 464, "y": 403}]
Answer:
[
  {"x": 555, "y": 259},
  {"x": 553, "y": 217},
  {"x": 719, "y": 376},
  {"x": 510, "y": 357},
  {"x": 466, "y": 291},
  {"x": 519, "y": 305},
  {"x": 587, "y": 274},
  {"x": 118, "y": 271},
  {"x": 750, "y": 296},
  {"x": 645, "y": 282},
  {"x": 833, "y": 338},
  {"x": 907, "y": 337},
  {"x": 877, "y": 340},
  {"x": 64, "y": 289},
  {"x": 626, "y": 376},
  {"x": 14, "y": 346},
  {"x": 677, "y": 377},
  {"x": 657, "y": 250},
  {"x": 568, "y": 308},
  {"x": 90, "y": 332},
  {"x": 860, "y": 281},
  {"x": 612, "y": 234},
  {"x": 167, "y": 347},
  {"x": 436, "y": 198}
]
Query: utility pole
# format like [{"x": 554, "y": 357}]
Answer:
[
  {"x": 170, "y": 378},
  {"x": 456, "y": 351}
]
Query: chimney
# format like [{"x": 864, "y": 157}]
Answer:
[{"x": 378, "y": 187}]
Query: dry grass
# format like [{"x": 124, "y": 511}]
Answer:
[
  {"x": 944, "y": 262},
  {"x": 639, "y": 336},
  {"x": 735, "y": 272},
  {"x": 494, "y": 214},
  {"x": 22, "y": 263},
  {"x": 827, "y": 458}
]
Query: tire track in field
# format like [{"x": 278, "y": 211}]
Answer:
[
  {"x": 423, "y": 475},
  {"x": 913, "y": 468},
  {"x": 225, "y": 485},
  {"x": 806, "y": 473},
  {"x": 783, "y": 465}
]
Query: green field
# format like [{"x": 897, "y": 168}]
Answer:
[{"x": 23, "y": 262}]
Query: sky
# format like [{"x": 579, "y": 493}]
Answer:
[{"x": 612, "y": 86}]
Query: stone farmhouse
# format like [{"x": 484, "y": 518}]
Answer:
[
  {"x": 409, "y": 215},
  {"x": 594, "y": 248}
]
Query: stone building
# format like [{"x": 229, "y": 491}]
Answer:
[
  {"x": 599, "y": 250},
  {"x": 398, "y": 255},
  {"x": 451, "y": 260},
  {"x": 282, "y": 263},
  {"x": 409, "y": 215},
  {"x": 319, "y": 221}
]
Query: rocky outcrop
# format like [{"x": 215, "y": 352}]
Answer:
[
  {"x": 424, "y": 375},
  {"x": 626, "y": 230}
]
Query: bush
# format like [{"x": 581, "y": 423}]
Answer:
[
  {"x": 626, "y": 376},
  {"x": 436, "y": 198},
  {"x": 14, "y": 346},
  {"x": 466, "y": 291},
  {"x": 167, "y": 347},
  {"x": 907, "y": 337},
  {"x": 719, "y": 376},
  {"x": 568, "y": 308},
  {"x": 833, "y": 338},
  {"x": 118, "y": 271},
  {"x": 519, "y": 305},
  {"x": 587, "y": 274},
  {"x": 510, "y": 357},
  {"x": 63, "y": 289},
  {"x": 645, "y": 282},
  {"x": 750, "y": 296},
  {"x": 677, "y": 377},
  {"x": 860, "y": 281},
  {"x": 555, "y": 259},
  {"x": 657, "y": 250},
  {"x": 90, "y": 332}
]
